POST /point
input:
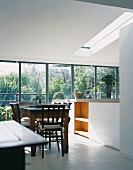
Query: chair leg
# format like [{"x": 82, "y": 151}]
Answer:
[
  {"x": 49, "y": 140},
  {"x": 42, "y": 151},
  {"x": 62, "y": 144},
  {"x": 57, "y": 141}
]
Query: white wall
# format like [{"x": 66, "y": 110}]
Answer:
[
  {"x": 104, "y": 124},
  {"x": 126, "y": 90}
]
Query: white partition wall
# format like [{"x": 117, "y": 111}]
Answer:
[
  {"x": 126, "y": 90},
  {"x": 104, "y": 123}
]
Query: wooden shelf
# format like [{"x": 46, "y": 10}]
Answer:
[{"x": 81, "y": 119}]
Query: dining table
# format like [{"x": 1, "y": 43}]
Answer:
[{"x": 35, "y": 112}]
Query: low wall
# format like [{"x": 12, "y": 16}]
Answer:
[{"x": 104, "y": 123}]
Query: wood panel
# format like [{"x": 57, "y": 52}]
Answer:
[{"x": 82, "y": 126}]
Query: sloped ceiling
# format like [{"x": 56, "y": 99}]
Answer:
[
  {"x": 51, "y": 31},
  {"x": 117, "y": 3}
]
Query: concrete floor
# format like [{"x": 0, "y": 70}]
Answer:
[{"x": 84, "y": 154}]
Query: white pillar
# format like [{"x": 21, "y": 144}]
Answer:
[{"x": 126, "y": 90}]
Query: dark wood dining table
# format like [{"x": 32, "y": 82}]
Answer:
[{"x": 36, "y": 112}]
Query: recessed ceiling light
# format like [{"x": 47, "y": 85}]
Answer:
[{"x": 85, "y": 47}]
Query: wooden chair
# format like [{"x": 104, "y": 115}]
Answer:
[
  {"x": 16, "y": 115},
  {"x": 52, "y": 124}
]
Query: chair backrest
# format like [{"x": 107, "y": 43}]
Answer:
[
  {"x": 68, "y": 104},
  {"x": 16, "y": 112},
  {"x": 53, "y": 114}
]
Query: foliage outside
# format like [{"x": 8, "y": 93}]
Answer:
[
  {"x": 80, "y": 82},
  {"x": 108, "y": 79},
  {"x": 5, "y": 113},
  {"x": 58, "y": 95},
  {"x": 59, "y": 82}
]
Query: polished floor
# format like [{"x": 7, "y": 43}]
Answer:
[{"x": 84, "y": 154}]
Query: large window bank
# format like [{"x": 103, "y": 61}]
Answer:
[{"x": 23, "y": 82}]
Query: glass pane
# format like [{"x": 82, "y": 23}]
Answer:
[
  {"x": 106, "y": 82},
  {"x": 84, "y": 80},
  {"x": 59, "y": 82},
  {"x": 9, "y": 83},
  {"x": 33, "y": 84}
]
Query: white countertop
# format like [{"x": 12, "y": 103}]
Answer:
[{"x": 106, "y": 100}]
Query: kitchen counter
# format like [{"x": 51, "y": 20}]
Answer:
[
  {"x": 105, "y": 100},
  {"x": 103, "y": 120}
]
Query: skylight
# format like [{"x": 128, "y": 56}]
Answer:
[{"x": 106, "y": 36}]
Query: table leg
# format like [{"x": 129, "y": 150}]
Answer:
[
  {"x": 12, "y": 158},
  {"x": 32, "y": 127},
  {"x": 66, "y": 123},
  {"x": 33, "y": 150}
]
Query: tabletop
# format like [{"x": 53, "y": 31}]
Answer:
[{"x": 13, "y": 134}]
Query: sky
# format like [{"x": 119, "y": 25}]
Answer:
[{"x": 6, "y": 68}]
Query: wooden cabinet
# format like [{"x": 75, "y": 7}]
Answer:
[{"x": 81, "y": 118}]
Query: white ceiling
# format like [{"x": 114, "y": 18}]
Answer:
[{"x": 51, "y": 31}]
